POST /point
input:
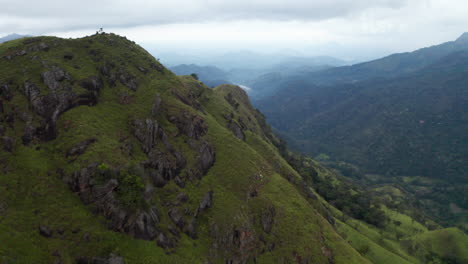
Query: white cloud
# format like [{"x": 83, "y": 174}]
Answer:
[
  {"x": 331, "y": 27},
  {"x": 74, "y": 14}
]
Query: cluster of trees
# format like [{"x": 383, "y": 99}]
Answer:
[
  {"x": 354, "y": 203},
  {"x": 131, "y": 186},
  {"x": 343, "y": 195}
]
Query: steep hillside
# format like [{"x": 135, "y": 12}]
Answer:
[
  {"x": 108, "y": 157},
  {"x": 106, "y": 153}
]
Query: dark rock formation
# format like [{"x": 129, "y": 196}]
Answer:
[
  {"x": 179, "y": 181},
  {"x": 189, "y": 99},
  {"x": 173, "y": 230},
  {"x": 45, "y": 231},
  {"x": 8, "y": 143},
  {"x": 164, "y": 164},
  {"x": 53, "y": 77},
  {"x": 236, "y": 130},
  {"x": 114, "y": 259},
  {"x": 29, "y": 134},
  {"x": 182, "y": 197},
  {"x": 58, "y": 100},
  {"x": 147, "y": 133},
  {"x": 31, "y": 91},
  {"x": 15, "y": 54},
  {"x": 192, "y": 126},
  {"x": 156, "y": 106},
  {"x": 128, "y": 80},
  {"x": 92, "y": 83},
  {"x": 142, "y": 69},
  {"x": 191, "y": 229},
  {"x": 241, "y": 242},
  {"x": 176, "y": 218},
  {"x": 137, "y": 223},
  {"x": 5, "y": 92},
  {"x": 10, "y": 119},
  {"x": 163, "y": 241},
  {"x": 157, "y": 178},
  {"x": 42, "y": 46},
  {"x": 68, "y": 56},
  {"x": 157, "y": 67},
  {"x": 180, "y": 160},
  {"x": 127, "y": 148},
  {"x": 80, "y": 148},
  {"x": 267, "y": 218},
  {"x": 107, "y": 71},
  {"x": 230, "y": 99},
  {"x": 206, "y": 201},
  {"x": 206, "y": 157}
]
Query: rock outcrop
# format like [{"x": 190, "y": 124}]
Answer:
[
  {"x": 80, "y": 148},
  {"x": 137, "y": 223},
  {"x": 193, "y": 126},
  {"x": 206, "y": 157},
  {"x": 128, "y": 80},
  {"x": 8, "y": 143},
  {"x": 6, "y": 92},
  {"x": 236, "y": 130},
  {"x": 206, "y": 202},
  {"x": 176, "y": 217},
  {"x": 93, "y": 85},
  {"x": 267, "y": 219},
  {"x": 148, "y": 133},
  {"x": 45, "y": 231},
  {"x": 50, "y": 106}
]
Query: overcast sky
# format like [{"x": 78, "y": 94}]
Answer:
[{"x": 342, "y": 28}]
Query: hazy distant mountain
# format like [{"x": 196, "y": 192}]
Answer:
[
  {"x": 411, "y": 122},
  {"x": 210, "y": 75},
  {"x": 390, "y": 66},
  {"x": 245, "y": 59},
  {"x": 12, "y": 37},
  {"x": 253, "y": 76},
  {"x": 387, "y": 67},
  {"x": 252, "y": 60},
  {"x": 386, "y": 123}
]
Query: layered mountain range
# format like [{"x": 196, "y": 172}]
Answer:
[{"x": 402, "y": 115}]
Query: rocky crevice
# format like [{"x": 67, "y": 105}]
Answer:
[{"x": 58, "y": 99}]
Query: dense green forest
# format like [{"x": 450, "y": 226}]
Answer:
[{"x": 407, "y": 128}]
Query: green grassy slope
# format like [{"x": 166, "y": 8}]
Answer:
[{"x": 33, "y": 192}]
